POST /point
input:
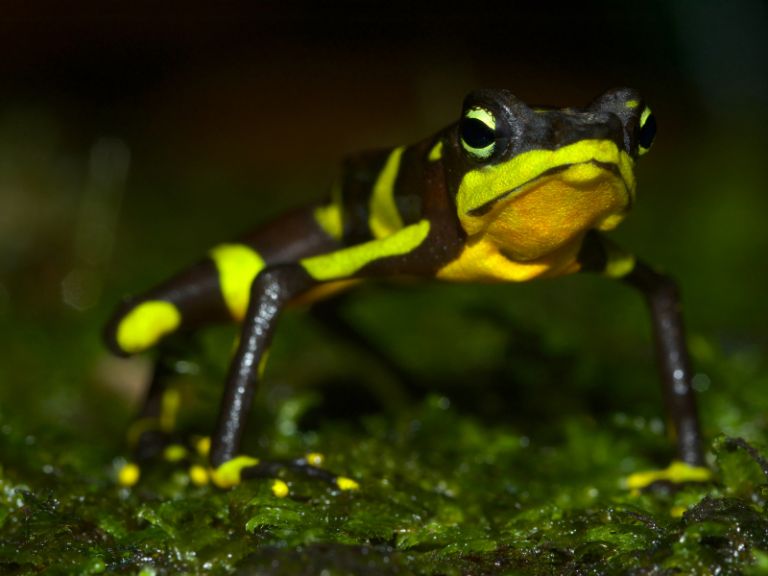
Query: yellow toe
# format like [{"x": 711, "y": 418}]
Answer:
[
  {"x": 677, "y": 472},
  {"x": 228, "y": 474},
  {"x": 129, "y": 474},
  {"x": 345, "y": 483}
]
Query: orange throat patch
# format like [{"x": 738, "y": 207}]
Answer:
[{"x": 537, "y": 230}]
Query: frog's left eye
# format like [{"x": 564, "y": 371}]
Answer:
[
  {"x": 477, "y": 131},
  {"x": 647, "y": 131}
]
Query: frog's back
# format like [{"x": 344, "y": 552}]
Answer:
[{"x": 379, "y": 192}]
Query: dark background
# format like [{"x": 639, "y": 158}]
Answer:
[{"x": 134, "y": 137}]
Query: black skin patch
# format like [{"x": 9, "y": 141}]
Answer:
[{"x": 592, "y": 256}]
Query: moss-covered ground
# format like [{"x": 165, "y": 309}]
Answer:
[{"x": 447, "y": 487}]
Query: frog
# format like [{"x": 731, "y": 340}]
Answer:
[{"x": 507, "y": 193}]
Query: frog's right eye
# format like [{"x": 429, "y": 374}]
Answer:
[
  {"x": 477, "y": 131},
  {"x": 647, "y": 130}
]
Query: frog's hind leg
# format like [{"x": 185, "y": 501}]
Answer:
[
  {"x": 217, "y": 288},
  {"x": 163, "y": 318},
  {"x": 213, "y": 290}
]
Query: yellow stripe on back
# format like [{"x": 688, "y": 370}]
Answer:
[
  {"x": 238, "y": 265},
  {"x": 143, "y": 326},
  {"x": 344, "y": 263},
  {"x": 328, "y": 218},
  {"x": 385, "y": 218}
]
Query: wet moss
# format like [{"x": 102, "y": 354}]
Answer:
[{"x": 441, "y": 493}]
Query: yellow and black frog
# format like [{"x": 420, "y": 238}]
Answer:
[{"x": 509, "y": 193}]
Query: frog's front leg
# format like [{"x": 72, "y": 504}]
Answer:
[
  {"x": 662, "y": 296},
  {"x": 270, "y": 292}
]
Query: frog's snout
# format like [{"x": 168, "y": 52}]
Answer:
[{"x": 592, "y": 125}]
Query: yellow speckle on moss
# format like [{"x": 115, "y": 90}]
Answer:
[
  {"x": 345, "y": 483},
  {"x": 315, "y": 459},
  {"x": 198, "y": 475},
  {"x": 129, "y": 474},
  {"x": 280, "y": 488}
]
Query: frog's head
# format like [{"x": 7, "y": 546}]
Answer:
[{"x": 536, "y": 179}]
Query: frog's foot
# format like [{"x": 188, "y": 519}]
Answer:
[
  {"x": 234, "y": 471},
  {"x": 152, "y": 444},
  {"x": 677, "y": 472},
  {"x": 193, "y": 456}
]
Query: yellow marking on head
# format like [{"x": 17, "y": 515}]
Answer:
[
  {"x": 143, "y": 326},
  {"x": 228, "y": 474},
  {"x": 238, "y": 265},
  {"x": 384, "y": 216},
  {"x": 436, "y": 153},
  {"x": 315, "y": 459},
  {"x": 203, "y": 446},
  {"x": 677, "y": 472},
  {"x": 198, "y": 475},
  {"x": 631, "y": 104},
  {"x": 129, "y": 474},
  {"x": 345, "y": 483},
  {"x": 488, "y": 183},
  {"x": 169, "y": 408},
  {"x": 280, "y": 488},
  {"x": 328, "y": 217},
  {"x": 344, "y": 263}
]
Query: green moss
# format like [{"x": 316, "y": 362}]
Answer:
[{"x": 441, "y": 493}]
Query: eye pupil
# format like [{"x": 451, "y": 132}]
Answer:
[
  {"x": 476, "y": 133},
  {"x": 647, "y": 132}
]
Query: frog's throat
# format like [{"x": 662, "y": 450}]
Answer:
[
  {"x": 480, "y": 189},
  {"x": 552, "y": 173},
  {"x": 552, "y": 211}
]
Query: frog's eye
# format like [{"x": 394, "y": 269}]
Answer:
[
  {"x": 477, "y": 131},
  {"x": 647, "y": 131}
]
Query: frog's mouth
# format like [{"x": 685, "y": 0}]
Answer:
[
  {"x": 581, "y": 175},
  {"x": 553, "y": 209},
  {"x": 579, "y": 166}
]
